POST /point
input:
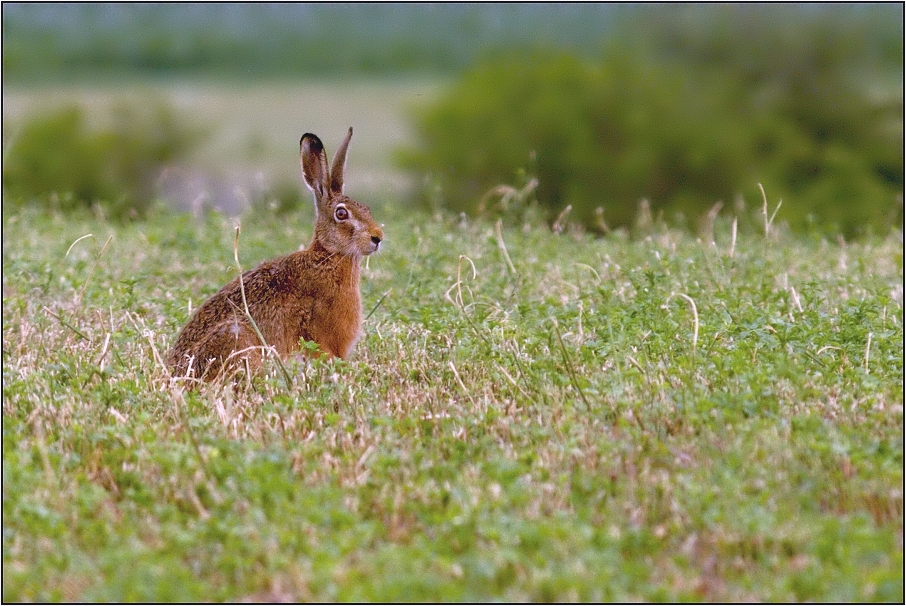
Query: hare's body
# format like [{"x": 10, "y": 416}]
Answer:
[
  {"x": 285, "y": 306},
  {"x": 311, "y": 295}
]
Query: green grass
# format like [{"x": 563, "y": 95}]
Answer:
[{"x": 555, "y": 427}]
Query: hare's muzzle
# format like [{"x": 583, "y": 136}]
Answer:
[{"x": 376, "y": 237}]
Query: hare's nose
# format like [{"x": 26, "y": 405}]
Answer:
[{"x": 376, "y": 240}]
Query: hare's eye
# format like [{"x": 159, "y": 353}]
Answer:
[{"x": 341, "y": 214}]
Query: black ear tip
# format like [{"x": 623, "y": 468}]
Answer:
[{"x": 314, "y": 144}]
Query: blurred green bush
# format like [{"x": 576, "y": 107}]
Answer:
[
  {"x": 57, "y": 159},
  {"x": 681, "y": 118}
]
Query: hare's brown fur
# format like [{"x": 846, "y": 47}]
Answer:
[{"x": 311, "y": 295}]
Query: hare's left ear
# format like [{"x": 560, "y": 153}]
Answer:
[
  {"x": 314, "y": 166},
  {"x": 339, "y": 165}
]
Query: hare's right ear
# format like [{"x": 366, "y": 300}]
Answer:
[
  {"x": 314, "y": 166},
  {"x": 339, "y": 165}
]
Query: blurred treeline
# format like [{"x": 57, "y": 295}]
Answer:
[
  {"x": 605, "y": 105},
  {"x": 73, "y": 41}
]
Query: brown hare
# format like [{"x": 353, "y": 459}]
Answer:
[{"x": 312, "y": 294}]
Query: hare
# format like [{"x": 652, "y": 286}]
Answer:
[{"x": 311, "y": 294}]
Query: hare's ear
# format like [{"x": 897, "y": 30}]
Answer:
[
  {"x": 339, "y": 165},
  {"x": 314, "y": 165}
]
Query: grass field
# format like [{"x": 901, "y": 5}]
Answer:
[{"x": 530, "y": 416}]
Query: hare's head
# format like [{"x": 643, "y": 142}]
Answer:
[{"x": 342, "y": 225}]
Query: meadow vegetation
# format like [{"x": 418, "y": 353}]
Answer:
[
  {"x": 530, "y": 416},
  {"x": 537, "y": 410}
]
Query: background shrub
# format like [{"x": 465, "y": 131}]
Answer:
[
  {"x": 113, "y": 166},
  {"x": 593, "y": 135},
  {"x": 683, "y": 118}
]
